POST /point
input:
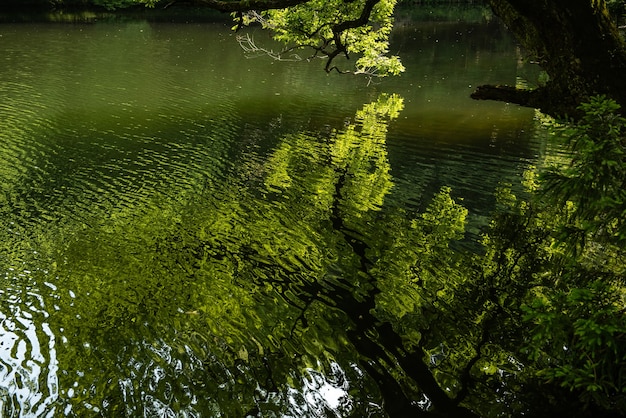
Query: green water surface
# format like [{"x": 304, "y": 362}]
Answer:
[{"x": 189, "y": 231}]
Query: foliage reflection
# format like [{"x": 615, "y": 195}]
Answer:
[
  {"x": 293, "y": 287},
  {"x": 192, "y": 300}
]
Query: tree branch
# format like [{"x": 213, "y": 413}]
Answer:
[
  {"x": 339, "y": 28},
  {"x": 548, "y": 99},
  {"x": 504, "y": 94},
  {"x": 360, "y": 21}
]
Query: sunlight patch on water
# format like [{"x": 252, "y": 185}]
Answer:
[
  {"x": 328, "y": 392},
  {"x": 28, "y": 364}
]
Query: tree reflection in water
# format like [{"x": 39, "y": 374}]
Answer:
[
  {"x": 227, "y": 301},
  {"x": 289, "y": 288}
]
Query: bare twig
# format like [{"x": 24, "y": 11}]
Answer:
[{"x": 246, "y": 42}]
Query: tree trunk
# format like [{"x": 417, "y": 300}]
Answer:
[{"x": 575, "y": 42}]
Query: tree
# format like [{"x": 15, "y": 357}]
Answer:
[
  {"x": 562, "y": 249},
  {"x": 592, "y": 232},
  {"x": 575, "y": 41}
]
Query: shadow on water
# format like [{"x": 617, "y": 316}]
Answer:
[{"x": 187, "y": 232}]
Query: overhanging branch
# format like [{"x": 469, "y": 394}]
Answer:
[
  {"x": 340, "y": 28},
  {"x": 505, "y": 94},
  {"x": 549, "y": 100}
]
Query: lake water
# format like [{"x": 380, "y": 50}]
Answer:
[{"x": 181, "y": 224}]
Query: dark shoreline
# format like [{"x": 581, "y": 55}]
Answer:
[{"x": 35, "y": 12}]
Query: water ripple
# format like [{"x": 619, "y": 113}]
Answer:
[
  {"x": 28, "y": 364},
  {"x": 160, "y": 179}
]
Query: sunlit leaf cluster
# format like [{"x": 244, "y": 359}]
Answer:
[{"x": 319, "y": 25}]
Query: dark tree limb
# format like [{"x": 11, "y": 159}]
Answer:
[
  {"x": 387, "y": 348},
  {"x": 503, "y": 94},
  {"x": 358, "y": 22},
  {"x": 546, "y": 99},
  {"x": 340, "y": 28}
]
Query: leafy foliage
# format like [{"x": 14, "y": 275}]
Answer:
[
  {"x": 531, "y": 319},
  {"x": 595, "y": 181},
  {"x": 579, "y": 317},
  {"x": 538, "y": 316},
  {"x": 584, "y": 331},
  {"x": 336, "y": 27},
  {"x": 571, "y": 262}
]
